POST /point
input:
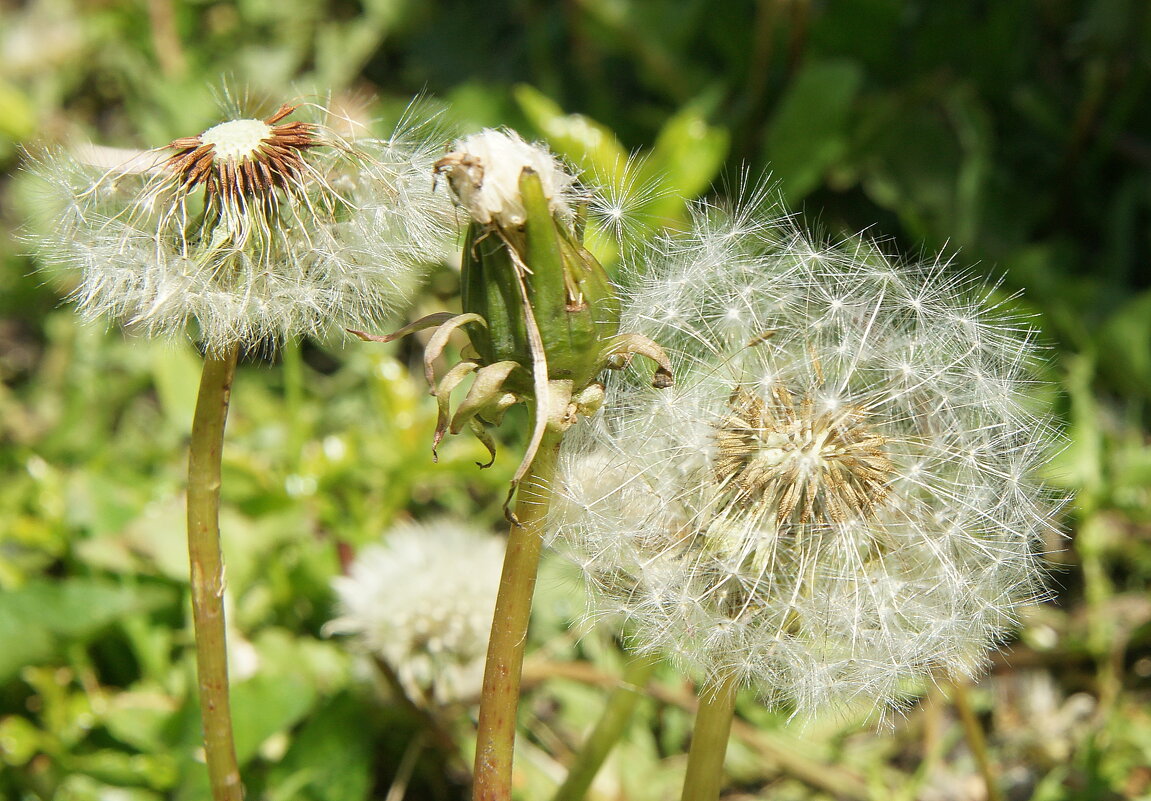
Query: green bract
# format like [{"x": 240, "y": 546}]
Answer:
[
  {"x": 540, "y": 313},
  {"x": 573, "y": 303}
]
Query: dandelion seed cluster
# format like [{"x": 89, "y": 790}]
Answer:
[
  {"x": 838, "y": 496},
  {"x": 423, "y": 601},
  {"x": 254, "y": 229}
]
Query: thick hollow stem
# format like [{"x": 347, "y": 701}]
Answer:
[
  {"x": 709, "y": 742},
  {"x": 501, "y": 690},
  {"x": 608, "y": 729},
  {"x": 208, "y": 573}
]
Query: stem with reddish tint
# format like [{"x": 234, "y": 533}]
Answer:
[
  {"x": 207, "y": 568},
  {"x": 501, "y": 690}
]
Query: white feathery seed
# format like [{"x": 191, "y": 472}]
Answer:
[
  {"x": 423, "y": 602},
  {"x": 253, "y": 230},
  {"x": 838, "y": 498},
  {"x": 618, "y": 199}
]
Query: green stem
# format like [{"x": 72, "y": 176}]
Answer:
[
  {"x": 499, "y": 701},
  {"x": 709, "y": 738},
  {"x": 208, "y": 572},
  {"x": 608, "y": 729},
  {"x": 973, "y": 732}
]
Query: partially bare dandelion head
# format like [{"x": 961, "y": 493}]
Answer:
[
  {"x": 242, "y": 159},
  {"x": 838, "y": 498},
  {"x": 254, "y": 229}
]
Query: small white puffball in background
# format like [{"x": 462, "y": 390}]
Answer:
[{"x": 422, "y": 600}]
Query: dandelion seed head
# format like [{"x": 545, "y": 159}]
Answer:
[
  {"x": 838, "y": 498},
  {"x": 253, "y": 230},
  {"x": 805, "y": 463},
  {"x": 422, "y": 601}
]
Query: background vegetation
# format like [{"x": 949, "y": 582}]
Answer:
[{"x": 1015, "y": 135}]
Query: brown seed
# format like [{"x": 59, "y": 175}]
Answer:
[
  {"x": 272, "y": 163},
  {"x": 809, "y": 465}
]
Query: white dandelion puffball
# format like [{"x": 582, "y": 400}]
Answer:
[
  {"x": 253, "y": 229},
  {"x": 484, "y": 172},
  {"x": 837, "y": 499},
  {"x": 423, "y": 602}
]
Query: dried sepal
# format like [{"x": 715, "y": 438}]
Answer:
[
  {"x": 443, "y": 395},
  {"x": 486, "y": 390},
  {"x": 480, "y": 432},
  {"x": 427, "y": 321},
  {"x": 620, "y": 349},
  {"x": 439, "y": 340}
]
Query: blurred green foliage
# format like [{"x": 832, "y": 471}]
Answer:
[{"x": 1015, "y": 133}]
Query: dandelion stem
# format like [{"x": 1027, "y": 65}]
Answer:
[
  {"x": 608, "y": 729},
  {"x": 973, "y": 732},
  {"x": 500, "y": 697},
  {"x": 709, "y": 742},
  {"x": 208, "y": 572}
]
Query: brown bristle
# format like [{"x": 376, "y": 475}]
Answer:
[{"x": 274, "y": 164}]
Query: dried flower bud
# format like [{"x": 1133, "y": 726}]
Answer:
[
  {"x": 572, "y": 303},
  {"x": 484, "y": 172},
  {"x": 540, "y": 311}
]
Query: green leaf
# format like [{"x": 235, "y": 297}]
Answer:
[
  {"x": 21, "y": 740},
  {"x": 1125, "y": 345},
  {"x": 808, "y": 133},
  {"x": 176, "y": 373},
  {"x": 685, "y": 159},
  {"x": 579, "y": 139},
  {"x": 138, "y": 717},
  {"x": 265, "y": 705},
  {"x": 158, "y": 771},
  {"x": 330, "y": 759},
  {"x": 37, "y": 619},
  {"x": 910, "y": 159},
  {"x": 1081, "y": 464},
  {"x": 17, "y": 118}
]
